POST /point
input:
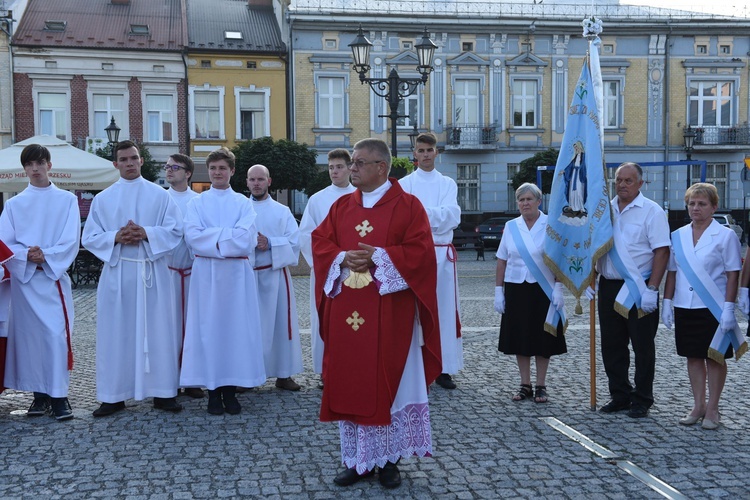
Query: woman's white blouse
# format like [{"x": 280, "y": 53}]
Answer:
[
  {"x": 516, "y": 270},
  {"x": 718, "y": 249}
]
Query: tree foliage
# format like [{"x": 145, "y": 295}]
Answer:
[
  {"x": 527, "y": 170},
  {"x": 149, "y": 170},
  {"x": 321, "y": 181},
  {"x": 292, "y": 165}
]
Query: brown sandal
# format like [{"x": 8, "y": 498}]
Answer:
[{"x": 524, "y": 392}]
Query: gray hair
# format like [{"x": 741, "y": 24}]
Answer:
[{"x": 528, "y": 187}]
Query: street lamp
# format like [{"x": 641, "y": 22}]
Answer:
[
  {"x": 113, "y": 134},
  {"x": 689, "y": 137},
  {"x": 394, "y": 88}
]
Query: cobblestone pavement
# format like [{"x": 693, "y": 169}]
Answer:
[{"x": 485, "y": 446}]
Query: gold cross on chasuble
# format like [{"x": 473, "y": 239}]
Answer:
[
  {"x": 364, "y": 228},
  {"x": 354, "y": 320}
]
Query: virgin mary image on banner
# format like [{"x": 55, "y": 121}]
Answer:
[{"x": 574, "y": 176}]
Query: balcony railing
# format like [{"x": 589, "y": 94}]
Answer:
[
  {"x": 471, "y": 136},
  {"x": 738, "y": 135}
]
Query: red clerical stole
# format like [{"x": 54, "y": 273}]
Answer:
[{"x": 366, "y": 335}]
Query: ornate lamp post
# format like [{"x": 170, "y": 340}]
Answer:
[
  {"x": 394, "y": 88},
  {"x": 113, "y": 134},
  {"x": 689, "y": 137},
  {"x": 413, "y": 141}
]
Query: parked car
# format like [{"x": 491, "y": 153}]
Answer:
[
  {"x": 491, "y": 230},
  {"x": 465, "y": 236},
  {"x": 727, "y": 220}
]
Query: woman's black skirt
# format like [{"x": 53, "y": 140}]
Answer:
[
  {"x": 693, "y": 331},
  {"x": 522, "y": 326}
]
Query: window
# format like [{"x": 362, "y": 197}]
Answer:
[
  {"x": 233, "y": 35},
  {"x": 55, "y": 25},
  {"x": 330, "y": 44},
  {"x": 512, "y": 171},
  {"x": 205, "y": 63},
  {"x": 716, "y": 174},
  {"x": 467, "y": 180},
  {"x": 53, "y": 115},
  {"x": 206, "y": 115},
  {"x": 252, "y": 64},
  {"x": 611, "y": 111},
  {"x": 160, "y": 119},
  {"x": 408, "y": 109},
  {"x": 724, "y": 49},
  {"x": 407, "y": 45},
  {"x": 711, "y": 103},
  {"x": 106, "y": 107},
  {"x": 466, "y": 102},
  {"x": 702, "y": 49},
  {"x": 608, "y": 48},
  {"x": 467, "y": 46},
  {"x": 331, "y": 109},
  {"x": 139, "y": 29},
  {"x": 523, "y": 107},
  {"x": 252, "y": 115}
]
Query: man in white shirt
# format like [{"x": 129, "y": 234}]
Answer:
[
  {"x": 639, "y": 259},
  {"x": 438, "y": 194},
  {"x": 132, "y": 227},
  {"x": 316, "y": 210},
  {"x": 42, "y": 227},
  {"x": 278, "y": 248},
  {"x": 179, "y": 169}
]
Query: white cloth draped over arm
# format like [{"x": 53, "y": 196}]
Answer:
[
  {"x": 285, "y": 249},
  {"x": 306, "y": 227}
]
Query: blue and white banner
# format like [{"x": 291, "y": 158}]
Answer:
[{"x": 579, "y": 227}]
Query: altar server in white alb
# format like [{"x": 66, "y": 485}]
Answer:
[
  {"x": 223, "y": 344},
  {"x": 316, "y": 210},
  {"x": 438, "y": 194},
  {"x": 179, "y": 169},
  {"x": 132, "y": 227},
  {"x": 278, "y": 247},
  {"x": 42, "y": 227}
]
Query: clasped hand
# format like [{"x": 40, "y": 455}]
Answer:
[
  {"x": 131, "y": 234},
  {"x": 35, "y": 255},
  {"x": 360, "y": 260}
]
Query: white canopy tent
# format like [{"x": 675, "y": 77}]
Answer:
[{"x": 72, "y": 168}]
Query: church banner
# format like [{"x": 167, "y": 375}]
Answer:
[{"x": 579, "y": 227}]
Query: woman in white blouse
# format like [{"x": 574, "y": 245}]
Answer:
[
  {"x": 521, "y": 299},
  {"x": 702, "y": 278}
]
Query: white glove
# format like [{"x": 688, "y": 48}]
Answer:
[
  {"x": 744, "y": 301},
  {"x": 590, "y": 292},
  {"x": 649, "y": 301},
  {"x": 667, "y": 316},
  {"x": 499, "y": 299},
  {"x": 557, "y": 296},
  {"x": 727, "y": 320}
]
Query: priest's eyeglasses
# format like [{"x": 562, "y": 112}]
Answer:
[
  {"x": 173, "y": 168},
  {"x": 362, "y": 163}
]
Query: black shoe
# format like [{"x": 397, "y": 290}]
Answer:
[
  {"x": 108, "y": 409},
  {"x": 167, "y": 404},
  {"x": 614, "y": 406},
  {"x": 194, "y": 392},
  {"x": 445, "y": 381},
  {"x": 231, "y": 405},
  {"x": 61, "y": 409},
  {"x": 350, "y": 476},
  {"x": 40, "y": 406},
  {"x": 214, "y": 402},
  {"x": 638, "y": 411},
  {"x": 390, "y": 477}
]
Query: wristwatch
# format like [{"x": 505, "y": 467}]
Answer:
[{"x": 652, "y": 288}]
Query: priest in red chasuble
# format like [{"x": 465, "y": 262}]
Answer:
[{"x": 375, "y": 275}]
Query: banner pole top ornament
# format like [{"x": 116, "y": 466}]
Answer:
[{"x": 592, "y": 27}]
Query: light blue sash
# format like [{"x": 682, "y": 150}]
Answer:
[
  {"x": 722, "y": 338},
  {"x": 553, "y": 315}
]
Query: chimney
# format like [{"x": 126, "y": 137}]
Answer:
[
  {"x": 120, "y": 2},
  {"x": 258, "y": 3}
]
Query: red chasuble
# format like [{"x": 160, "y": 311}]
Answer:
[{"x": 366, "y": 335}]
